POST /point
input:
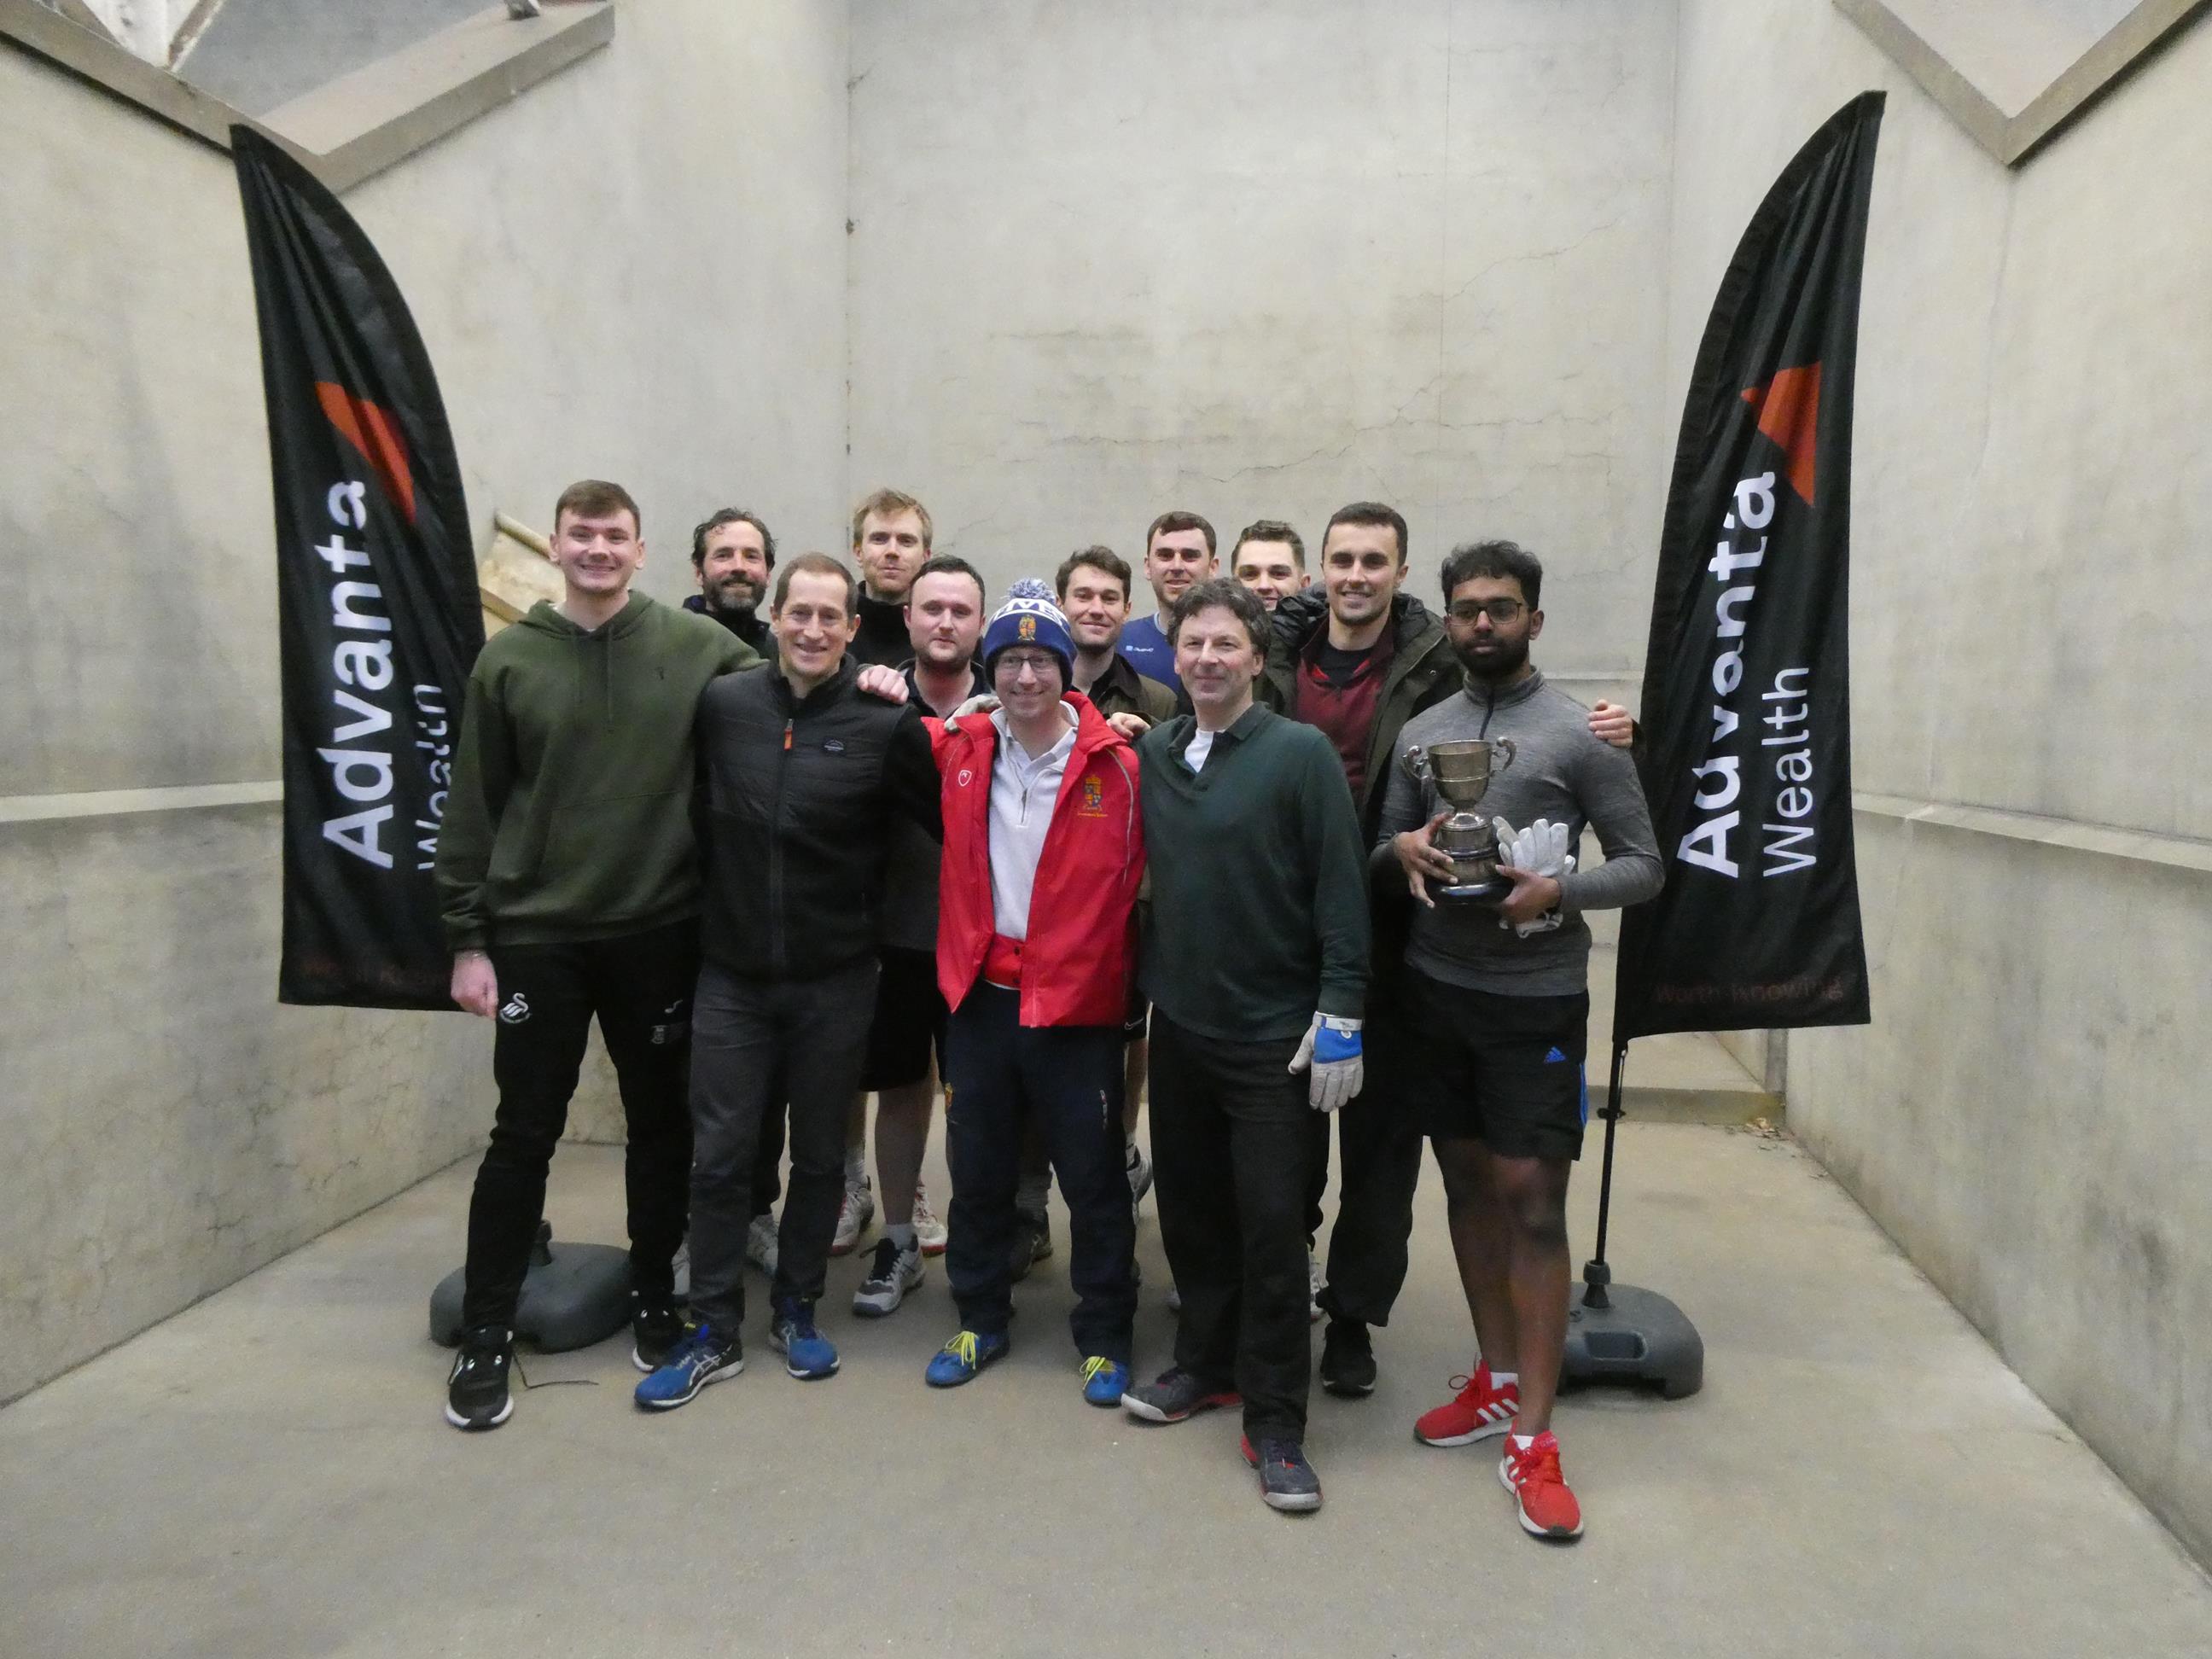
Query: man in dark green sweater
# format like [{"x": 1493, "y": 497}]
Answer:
[
  {"x": 1256, "y": 960},
  {"x": 569, "y": 876}
]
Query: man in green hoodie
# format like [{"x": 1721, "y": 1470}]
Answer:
[{"x": 569, "y": 877}]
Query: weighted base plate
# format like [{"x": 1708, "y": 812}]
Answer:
[
  {"x": 1476, "y": 893},
  {"x": 1641, "y": 1337},
  {"x": 577, "y": 1296}
]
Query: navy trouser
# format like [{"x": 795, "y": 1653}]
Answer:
[
  {"x": 639, "y": 985},
  {"x": 1232, "y": 1140},
  {"x": 756, "y": 1044},
  {"x": 999, "y": 1073}
]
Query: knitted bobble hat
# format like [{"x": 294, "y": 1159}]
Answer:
[{"x": 1029, "y": 618}]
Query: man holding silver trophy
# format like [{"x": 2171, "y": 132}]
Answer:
[{"x": 1498, "y": 977}]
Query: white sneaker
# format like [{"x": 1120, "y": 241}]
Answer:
[
  {"x": 893, "y": 1274},
  {"x": 1313, "y": 1289},
  {"x": 1139, "y": 1170},
  {"x": 853, "y": 1216},
  {"x": 759, "y": 1243},
  {"x": 928, "y": 1231}
]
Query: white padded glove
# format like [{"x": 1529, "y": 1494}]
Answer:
[
  {"x": 1541, "y": 850},
  {"x": 1331, "y": 1047}
]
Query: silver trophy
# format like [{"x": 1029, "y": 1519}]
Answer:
[{"x": 1461, "y": 773}]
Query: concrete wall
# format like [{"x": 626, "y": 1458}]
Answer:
[
  {"x": 2031, "y": 606},
  {"x": 636, "y": 271},
  {"x": 1261, "y": 261}
]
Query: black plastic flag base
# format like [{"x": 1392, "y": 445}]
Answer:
[
  {"x": 573, "y": 1296},
  {"x": 1632, "y": 1335}
]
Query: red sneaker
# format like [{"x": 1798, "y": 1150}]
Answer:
[
  {"x": 1480, "y": 1410},
  {"x": 1547, "y": 1509}
]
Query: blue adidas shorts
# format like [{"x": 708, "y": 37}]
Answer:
[{"x": 1505, "y": 1070}]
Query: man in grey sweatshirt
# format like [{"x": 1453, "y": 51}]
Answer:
[{"x": 1501, "y": 1005}]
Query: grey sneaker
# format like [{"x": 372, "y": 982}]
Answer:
[
  {"x": 891, "y": 1276},
  {"x": 759, "y": 1243},
  {"x": 1287, "y": 1481}
]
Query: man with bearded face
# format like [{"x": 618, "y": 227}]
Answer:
[
  {"x": 1499, "y": 1003},
  {"x": 733, "y": 559},
  {"x": 733, "y": 556}
]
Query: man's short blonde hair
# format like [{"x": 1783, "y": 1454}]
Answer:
[{"x": 888, "y": 504}]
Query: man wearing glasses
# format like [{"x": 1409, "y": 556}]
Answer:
[
  {"x": 1043, "y": 851},
  {"x": 1499, "y": 1004}
]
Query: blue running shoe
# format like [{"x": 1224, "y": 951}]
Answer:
[
  {"x": 967, "y": 1353},
  {"x": 703, "y": 1356},
  {"x": 807, "y": 1354},
  {"x": 1104, "y": 1380}
]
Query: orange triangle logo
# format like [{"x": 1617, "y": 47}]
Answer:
[
  {"x": 1788, "y": 408},
  {"x": 376, "y": 435}
]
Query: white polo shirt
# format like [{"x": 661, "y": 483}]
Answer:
[{"x": 1022, "y": 792}]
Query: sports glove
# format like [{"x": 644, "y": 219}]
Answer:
[
  {"x": 1541, "y": 850},
  {"x": 1331, "y": 1047}
]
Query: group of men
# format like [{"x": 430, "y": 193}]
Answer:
[{"x": 1056, "y": 858}]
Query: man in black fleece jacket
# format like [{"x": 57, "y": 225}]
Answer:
[{"x": 802, "y": 780}]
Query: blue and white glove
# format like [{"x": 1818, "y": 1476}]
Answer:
[
  {"x": 1541, "y": 850},
  {"x": 1331, "y": 1047}
]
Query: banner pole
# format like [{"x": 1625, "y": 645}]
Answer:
[{"x": 1595, "y": 1274}]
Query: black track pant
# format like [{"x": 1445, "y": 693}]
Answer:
[
  {"x": 1378, "y": 1165},
  {"x": 639, "y": 987},
  {"x": 1232, "y": 1135}
]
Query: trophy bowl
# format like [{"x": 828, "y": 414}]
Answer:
[{"x": 1460, "y": 774}]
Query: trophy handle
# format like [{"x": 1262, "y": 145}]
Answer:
[
  {"x": 1510, "y": 748},
  {"x": 1417, "y": 763}
]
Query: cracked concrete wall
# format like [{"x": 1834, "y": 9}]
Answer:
[
  {"x": 2027, "y": 1115},
  {"x": 1264, "y": 260},
  {"x": 636, "y": 271}
]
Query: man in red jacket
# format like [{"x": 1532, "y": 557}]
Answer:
[{"x": 1043, "y": 850}]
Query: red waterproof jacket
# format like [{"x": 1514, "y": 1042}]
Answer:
[{"x": 1081, "y": 952}]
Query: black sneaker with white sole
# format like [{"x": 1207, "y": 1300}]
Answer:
[
  {"x": 656, "y": 1326},
  {"x": 1032, "y": 1242},
  {"x": 477, "y": 1396},
  {"x": 891, "y": 1276},
  {"x": 1347, "y": 1359}
]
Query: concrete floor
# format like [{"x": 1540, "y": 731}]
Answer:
[{"x": 269, "y": 1473}]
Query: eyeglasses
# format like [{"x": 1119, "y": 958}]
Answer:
[
  {"x": 1500, "y": 611},
  {"x": 1039, "y": 663}
]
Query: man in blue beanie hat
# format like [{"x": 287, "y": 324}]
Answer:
[{"x": 1044, "y": 852}]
